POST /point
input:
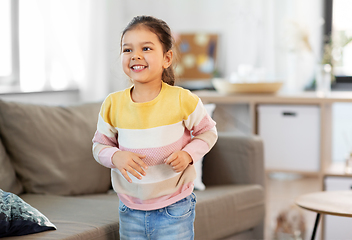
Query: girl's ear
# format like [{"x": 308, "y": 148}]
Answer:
[{"x": 168, "y": 59}]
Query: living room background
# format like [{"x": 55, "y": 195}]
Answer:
[{"x": 81, "y": 38}]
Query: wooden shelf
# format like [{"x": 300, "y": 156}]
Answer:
[
  {"x": 302, "y": 98},
  {"x": 285, "y": 98},
  {"x": 336, "y": 169}
]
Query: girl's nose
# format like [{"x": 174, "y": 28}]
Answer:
[{"x": 136, "y": 56}]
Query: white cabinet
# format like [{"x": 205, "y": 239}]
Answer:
[
  {"x": 336, "y": 227},
  {"x": 291, "y": 135}
]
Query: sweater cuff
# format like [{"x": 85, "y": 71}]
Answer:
[
  {"x": 105, "y": 156},
  {"x": 197, "y": 148}
]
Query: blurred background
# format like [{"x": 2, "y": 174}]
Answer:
[
  {"x": 74, "y": 44},
  {"x": 68, "y": 52}
]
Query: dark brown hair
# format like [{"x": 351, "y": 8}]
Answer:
[{"x": 163, "y": 32}]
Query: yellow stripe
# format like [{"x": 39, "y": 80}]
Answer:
[{"x": 171, "y": 106}]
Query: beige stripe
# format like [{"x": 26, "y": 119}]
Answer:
[
  {"x": 154, "y": 174},
  {"x": 152, "y": 190},
  {"x": 209, "y": 137},
  {"x": 105, "y": 128},
  {"x": 97, "y": 147},
  {"x": 196, "y": 116}
]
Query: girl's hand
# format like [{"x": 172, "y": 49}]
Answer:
[
  {"x": 130, "y": 162},
  {"x": 179, "y": 160}
]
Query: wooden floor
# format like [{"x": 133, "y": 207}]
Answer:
[{"x": 281, "y": 192}]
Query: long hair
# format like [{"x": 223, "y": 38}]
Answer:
[{"x": 163, "y": 32}]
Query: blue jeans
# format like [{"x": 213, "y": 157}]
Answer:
[{"x": 172, "y": 222}]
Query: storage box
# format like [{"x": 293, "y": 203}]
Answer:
[
  {"x": 291, "y": 136},
  {"x": 336, "y": 227}
]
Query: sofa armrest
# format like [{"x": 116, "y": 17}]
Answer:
[{"x": 235, "y": 159}]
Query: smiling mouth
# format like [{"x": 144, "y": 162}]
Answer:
[{"x": 138, "y": 67}]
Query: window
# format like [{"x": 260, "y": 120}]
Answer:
[
  {"x": 338, "y": 27},
  {"x": 8, "y": 47},
  {"x": 40, "y": 48}
]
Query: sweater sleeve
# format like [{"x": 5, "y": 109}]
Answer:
[
  {"x": 105, "y": 139},
  {"x": 201, "y": 125}
]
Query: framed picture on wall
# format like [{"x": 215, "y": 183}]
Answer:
[{"x": 196, "y": 56}]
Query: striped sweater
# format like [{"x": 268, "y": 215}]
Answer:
[{"x": 175, "y": 120}]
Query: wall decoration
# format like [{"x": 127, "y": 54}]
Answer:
[{"x": 197, "y": 55}]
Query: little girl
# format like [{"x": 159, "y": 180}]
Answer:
[{"x": 150, "y": 135}]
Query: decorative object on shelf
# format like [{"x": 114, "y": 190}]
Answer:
[
  {"x": 324, "y": 72},
  {"x": 226, "y": 87},
  {"x": 348, "y": 141},
  {"x": 348, "y": 168},
  {"x": 299, "y": 55},
  {"x": 331, "y": 62},
  {"x": 323, "y": 80}
]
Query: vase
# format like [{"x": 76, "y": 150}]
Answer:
[
  {"x": 323, "y": 80},
  {"x": 348, "y": 168}
]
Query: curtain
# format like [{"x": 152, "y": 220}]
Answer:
[{"x": 63, "y": 45}]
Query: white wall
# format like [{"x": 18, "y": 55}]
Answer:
[{"x": 251, "y": 32}]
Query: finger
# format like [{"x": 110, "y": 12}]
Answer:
[
  {"x": 178, "y": 168},
  {"x": 171, "y": 158},
  {"x": 125, "y": 175},
  {"x": 175, "y": 162},
  {"x": 140, "y": 155},
  {"x": 133, "y": 172},
  {"x": 137, "y": 168},
  {"x": 140, "y": 163}
]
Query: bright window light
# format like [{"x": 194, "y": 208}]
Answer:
[
  {"x": 50, "y": 44},
  {"x": 342, "y": 30},
  {"x": 32, "y": 52},
  {"x": 5, "y": 39}
]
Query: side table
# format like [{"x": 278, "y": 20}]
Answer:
[{"x": 336, "y": 203}]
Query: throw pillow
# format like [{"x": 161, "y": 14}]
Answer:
[
  {"x": 198, "y": 182},
  {"x": 18, "y": 218},
  {"x": 50, "y": 147}
]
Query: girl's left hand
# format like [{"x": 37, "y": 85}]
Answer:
[{"x": 179, "y": 160}]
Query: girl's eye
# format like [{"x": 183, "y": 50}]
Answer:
[
  {"x": 127, "y": 50},
  {"x": 146, "y": 48}
]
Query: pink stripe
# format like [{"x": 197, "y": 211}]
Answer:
[
  {"x": 105, "y": 156},
  {"x": 196, "y": 149},
  {"x": 156, "y": 156},
  {"x": 205, "y": 125},
  {"x": 157, "y": 203},
  {"x": 103, "y": 139}
]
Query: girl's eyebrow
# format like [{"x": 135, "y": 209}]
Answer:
[
  {"x": 143, "y": 43},
  {"x": 148, "y": 43}
]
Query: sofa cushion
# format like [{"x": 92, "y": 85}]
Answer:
[
  {"x": 18, "y": 218},
  {"x": 76, "y": 217},
  {"x": 8, "y": 180},
  {"x": 50, "y": 147},
  {"x": 223, "y": 211}
]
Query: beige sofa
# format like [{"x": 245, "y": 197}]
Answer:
[{"x": 46, "y": 159}]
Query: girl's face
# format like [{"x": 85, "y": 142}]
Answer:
[{"x": 143, "y": 59}]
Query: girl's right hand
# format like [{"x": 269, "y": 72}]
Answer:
[{"x": 130, "y": 162}]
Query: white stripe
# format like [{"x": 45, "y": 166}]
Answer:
[
  {"x": 154, "y": 174},
  {"x": 152, "y": 137},
  {"x": 105, "y": 128},
  {"x": 196, "y": 116}
]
